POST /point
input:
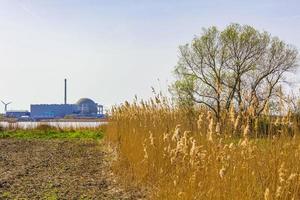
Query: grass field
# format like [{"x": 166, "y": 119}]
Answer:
[{"x": 48, "y": 132}]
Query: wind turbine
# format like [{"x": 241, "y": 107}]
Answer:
[{"x": 5, "y": 105}]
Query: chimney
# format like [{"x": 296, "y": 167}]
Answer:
[{"x": 65, "y": 91}]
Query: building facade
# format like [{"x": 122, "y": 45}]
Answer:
[
  {"x": 51, "y": 111},
  {"x": 17, "y": 113}
]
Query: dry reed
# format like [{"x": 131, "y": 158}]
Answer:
[{"x": 237, "y": 158}]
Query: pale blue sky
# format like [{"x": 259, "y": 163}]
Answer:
[{"x": 112, "y": 50}]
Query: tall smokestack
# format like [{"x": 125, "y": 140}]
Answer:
[{"x": 65, "y": 91}]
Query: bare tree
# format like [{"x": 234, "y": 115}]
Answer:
[{"x": 239, "y": 66}]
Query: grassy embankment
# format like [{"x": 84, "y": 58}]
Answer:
[
  {"x": 178, "y": 154},
  {"x": 49, "y": 132}
]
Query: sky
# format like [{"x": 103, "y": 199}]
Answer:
[{"x": 112, "y": 50}]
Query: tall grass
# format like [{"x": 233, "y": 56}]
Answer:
[{"x": 176, "y": 155}]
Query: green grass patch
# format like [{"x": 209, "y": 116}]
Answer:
[{"x": 52, "y": 134}]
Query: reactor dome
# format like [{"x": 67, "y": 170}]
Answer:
[{"x": 87, "y": 106}]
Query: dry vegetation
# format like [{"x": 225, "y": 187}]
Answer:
[{"x": 183, "y": 154}]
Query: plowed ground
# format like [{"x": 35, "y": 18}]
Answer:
[{"x": 56, "y": 169}]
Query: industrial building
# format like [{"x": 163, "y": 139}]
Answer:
[
  {"x": 84, "y": 108},
  {"x": 17, "y": 113}
]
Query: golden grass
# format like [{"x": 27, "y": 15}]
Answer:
[{"x": 176, "y": 155}]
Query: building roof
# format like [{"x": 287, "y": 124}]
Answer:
[
  {"x": 17, "y": 111},
  {"x": 85, "y": 101}
]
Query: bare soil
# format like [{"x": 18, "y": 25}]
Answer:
[{"x": 56, "y": 169}]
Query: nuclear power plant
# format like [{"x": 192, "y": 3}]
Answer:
[{"x": 84, "y": 108}]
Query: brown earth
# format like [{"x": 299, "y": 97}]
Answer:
[{"x": 55, "y": 169}]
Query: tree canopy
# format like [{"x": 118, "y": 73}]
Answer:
[{"x": 239, "y": 66}]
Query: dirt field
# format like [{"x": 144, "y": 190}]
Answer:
[{"x": 55, "y": 169}]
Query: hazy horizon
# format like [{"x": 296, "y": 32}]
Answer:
[{"x": 111, "y": 51}]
